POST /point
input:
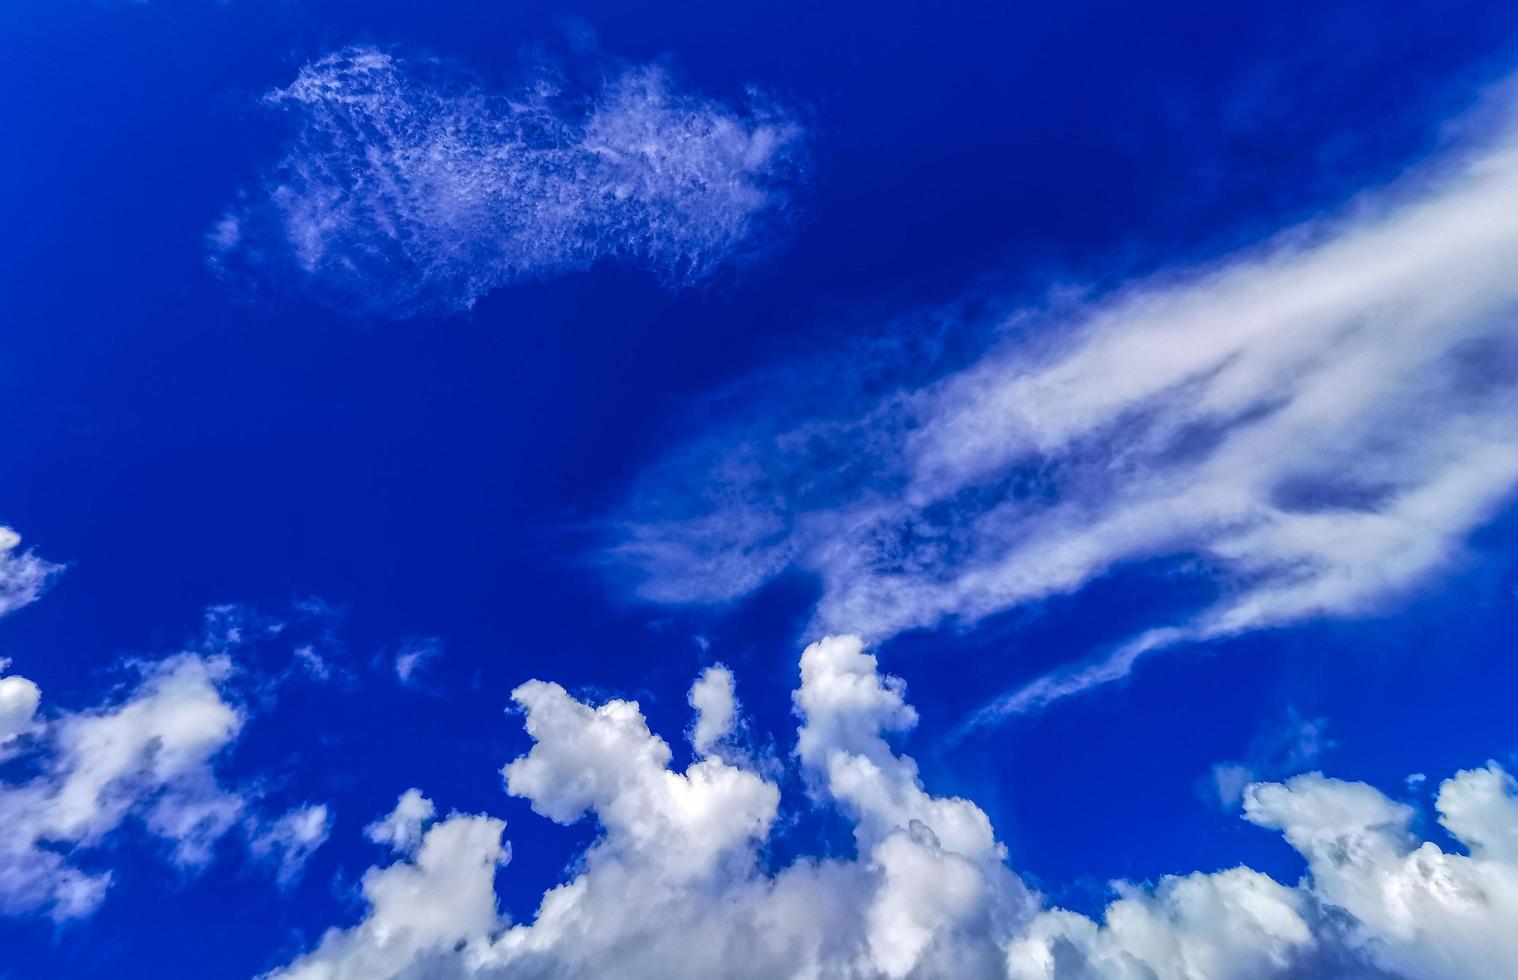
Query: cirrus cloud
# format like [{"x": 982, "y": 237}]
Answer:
[
  {"x": 409, "y": 187},
  {"x": 1315, "y": 426}
]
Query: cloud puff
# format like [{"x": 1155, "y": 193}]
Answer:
[
  {"x": 148, "y": 756},
  {"x": 409, "y": 187},
  {"x": 23, "y": 575},
  {"x": 19, "y": 698},
  {"x": 676, "y": 884},
  {"x": 1321, "y": 421},
  {"x": 716, "y": 706}
]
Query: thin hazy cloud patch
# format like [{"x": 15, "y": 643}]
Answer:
[
  {"x": 410, "y": 187},
  {"x": 1317, "y": 425}
]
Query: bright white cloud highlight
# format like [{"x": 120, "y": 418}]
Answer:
[
  {"x": 1322, "y": 420},
  {"x": 19, "y": 698},
  {"x": 411, "y": 188},
  {"x": 676, "y": 885}
]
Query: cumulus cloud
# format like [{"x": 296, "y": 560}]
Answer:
[
  {"x": 23, "y": 575},
  {"x": 1315, "y": 425},
  {"x": 410, "y": 187},
  {"x": 19, "y": 698},
  {"x": 148, "y": 756},
  {"x": 716, "y": 706},
  {"x": 401, "y": 830},
  {"x": 677, "y": 885}
]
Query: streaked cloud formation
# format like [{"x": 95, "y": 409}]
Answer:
[
  {"x": 410, "y": 187},
  {"x": 928, "y": 895},
  {"x": 1316, "y": 425}
]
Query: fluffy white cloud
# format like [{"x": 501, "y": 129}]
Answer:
[
  {"x": 430, "y": 912},
  {"x": 1417, "y": 910},
  {"x": 401, "y": 830},
  {"x": 1231, "y": 925},
  {"x": 148, "y": 756},
  {"x": 1322, "y": 420},
  {"x": 19, "y": 698},
  {"x": 23, "y": 575},
  {"x": 676, "y": 886},
  {"x": 716, "y": 707},
  {"x": 410, "y": 188}
]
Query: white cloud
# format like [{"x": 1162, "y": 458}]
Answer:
[
  {"x": 716, "y": 707},
  {"x": 1416, "y": 909},
  {"x": 414, "y": 657},
  {"x": 1322, "y": 420},
  {"x": 675, "y": 885},
  {"x": 402, "y": 829},
  {"x": 148, "y": 756},
  {"x": 19, "y": 698},
  {"x": 437, "y": 903},
  {"x": 289, "y": 841},
  {"x": 1231, "y": 925},
  {"x": 410, "y": 188},
  {"x": 1290, "y": 747},
  {"x": 23, "y": 575}
]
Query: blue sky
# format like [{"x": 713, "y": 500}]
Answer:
[{"x": 1127, "y": 392}]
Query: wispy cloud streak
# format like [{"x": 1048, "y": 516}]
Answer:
[
  {"x": 23, "y": 575},
  {"x": 1319, "y": 423},
  {"x": 409, "y": 187}
]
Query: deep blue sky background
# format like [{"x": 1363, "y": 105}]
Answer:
[{"x": 180, "y": 444}]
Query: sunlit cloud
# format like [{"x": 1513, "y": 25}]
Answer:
[{"x": 675, "y": 885}]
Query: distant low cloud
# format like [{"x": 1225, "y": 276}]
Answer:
[
  {"x": 409, "y": 187},
  {"x": 928, "y": 893},
  {"x": 1315, "y": 426}
]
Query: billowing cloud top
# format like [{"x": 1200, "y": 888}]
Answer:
[
  {"x": 1323, "y": 420},
  {"x": 411, "y": 188},
  {"x": 676, "y": 885}
]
